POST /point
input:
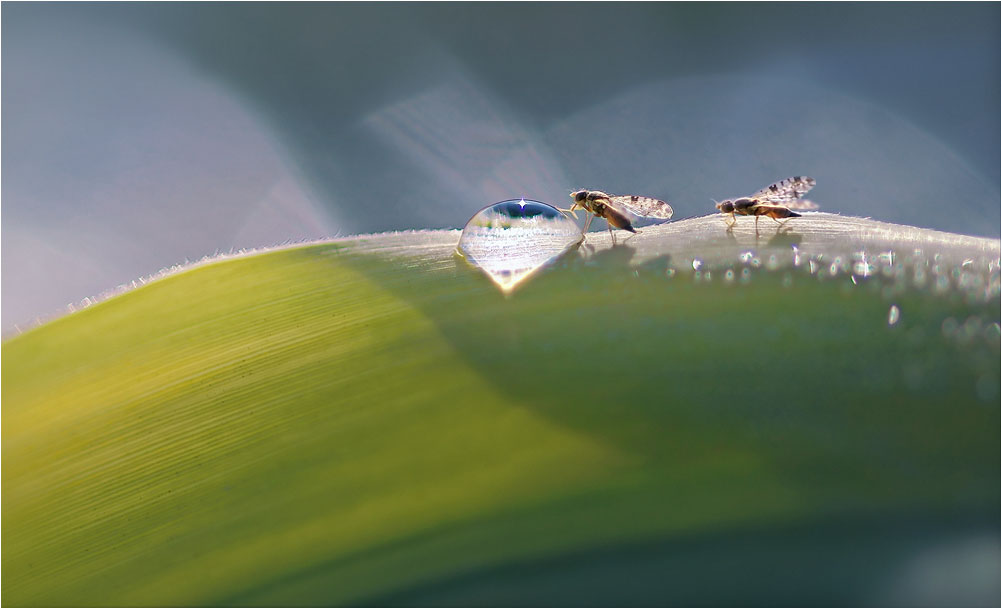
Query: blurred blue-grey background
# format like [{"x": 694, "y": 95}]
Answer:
[{"x": 138, "y": 135}]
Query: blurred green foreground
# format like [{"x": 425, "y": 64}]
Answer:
[{"x": 329, "y": 426}]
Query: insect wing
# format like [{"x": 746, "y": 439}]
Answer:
[
  {"x": 788, "y": 193},
  {"x": 642, "y": 207},
  {"x": 802, "y": 204}
]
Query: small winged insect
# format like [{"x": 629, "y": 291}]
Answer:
[
  {"x": 618, "y": 210},
  {"x": 775, "y": 201}
]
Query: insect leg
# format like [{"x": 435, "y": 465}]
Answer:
[
  {"x": 587, "y": 223},
  {"x": 783, "y": 226},
  {"x": 571, "y": 210}
]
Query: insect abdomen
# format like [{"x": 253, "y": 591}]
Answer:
[
  {"x": 618, "y": 220},
  {"x": 776, "y": 212}
]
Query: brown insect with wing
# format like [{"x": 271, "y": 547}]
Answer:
[
  {"x": 775, "y": 201},
  {"x": 618, "y": 210}
]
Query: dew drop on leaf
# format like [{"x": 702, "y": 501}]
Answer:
[
  {"x": 510, "y": 240},
  {"x": 894, "y": 315}
]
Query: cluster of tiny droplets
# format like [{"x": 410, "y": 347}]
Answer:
[{"x": 977, "y": 281}]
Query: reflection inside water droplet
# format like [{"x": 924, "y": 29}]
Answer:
[{"x": 512, "y": 239}]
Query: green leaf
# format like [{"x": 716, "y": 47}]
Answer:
[{"x": 371, "y": 420}]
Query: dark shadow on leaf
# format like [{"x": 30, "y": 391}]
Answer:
[
  {"x": 862, "y": 562},
  {"x": 784, "y": 238}
]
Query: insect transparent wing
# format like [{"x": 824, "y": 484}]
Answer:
[
  {"x": 802, "y": 204},
  {"x": 643, "y": 207},
  {"x": 788, "y": 193}
]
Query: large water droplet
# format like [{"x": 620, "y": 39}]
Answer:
[{"x": 512, "y": 239}]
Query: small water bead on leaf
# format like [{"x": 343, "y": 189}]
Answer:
[
  {"x": 510, "y": 240},
  {"x": 894, "y": 315},
  {"x": 750, "y": 258},
  {"x": 861, "y": 266},
  {"x": 863, "y": 269}
]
